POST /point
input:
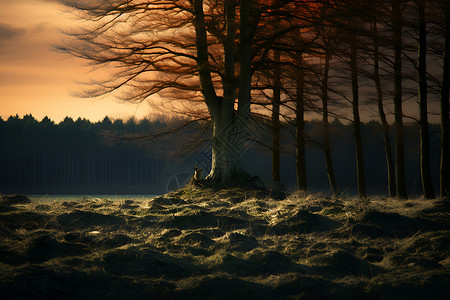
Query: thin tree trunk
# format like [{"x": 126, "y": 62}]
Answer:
[
  {"x": 300, "y": 130},
  {"x": 445, "y": 92},
  {"x": 384, "y": 124},
  {"x": 399, "y": 130},
  {"x": 427, "y": 185},
  {"x": 361, "y": 181},
  {"x": 325, "y": 125},
  {"x": 276, "y": 120}
]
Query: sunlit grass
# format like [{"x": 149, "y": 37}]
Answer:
[{"x": 307, "y": 245}]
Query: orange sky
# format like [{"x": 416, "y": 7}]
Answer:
[{"x": 34, "y": 78}]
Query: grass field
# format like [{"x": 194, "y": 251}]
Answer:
[{"x": 232, "y": 244}]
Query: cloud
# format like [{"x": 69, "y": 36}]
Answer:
[
  {"x": 41, "y": 27},
  {"x": 8, "y": 32}
]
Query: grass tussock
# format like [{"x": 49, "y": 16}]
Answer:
[{"x": 203, "y": 243}]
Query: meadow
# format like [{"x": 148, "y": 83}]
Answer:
[{"x": 221, "y": 244}]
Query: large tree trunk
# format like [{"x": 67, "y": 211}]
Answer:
[
  {"x": 229, "y": 132},
  {"x": 445, "y": 92},
  {"x": 325, "y": 125},
  {"x": 227, "y": 142},
  {"x": 384, "y": 123},
  {"x": 423, "y": 105},
  {"x": 276, "y": 120},
  {"x": 361, "y": 180},
  {"x": 300, "y": 161},
  {"x": 399, "y": 130}
]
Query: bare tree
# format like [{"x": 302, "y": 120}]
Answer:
[
  {"x": 276, "y": 120},
  {"x": 281, "y": 70},
  {"x": 356, "y": 119},
  {"x": 325, "y": 123},
  {"x": 427, "y": 186},
  {"x": 445, "y": 124},
  {"x": 384, "y": 123},
  {"x": 178, "y": 49},
  {"x": 397, "y": 24},
  {"x": 350, "y": 26},
  {"x": 300, "y": 157}
]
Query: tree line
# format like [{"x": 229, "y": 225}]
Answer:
[
  {"x": 278, "y": 61},
  {"x": 354, "y": 57},
  {"x": 73, "y": 157},
  {"x": 83, "y": 157}
]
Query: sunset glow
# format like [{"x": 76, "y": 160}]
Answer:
[{"x": 35, "y": 79}]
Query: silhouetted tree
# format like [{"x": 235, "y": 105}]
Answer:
[
  {"x": 325, "y": 123},
  {"x": 198, "y": 60},
  {"x": 423, "y": 103},
  {"x": 349, "y": 25},
  {"x": 356, "y": 118},
  {"x": 276, "y": 102},
  {"x": 397, "y": 25},
  {"x": 380, "y": 105},
  {"x": 300, "y": 158},
  {"x": 445, "y": 124}
]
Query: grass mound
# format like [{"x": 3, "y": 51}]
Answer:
[
  {"x": 341, "y": 263},
  {"x": 383, "y": 224},
  {"x": 85, "y": 219},
  {"x": 204, "y": 243},
  {"x": 196, "y": 238},
  {"x": 238, "y": 242},
  {"x": 167, "y": 201},
  {"x": 23, "y": 219},
  {"x": 219, "y": 286},
  {"x": 304, "y": 221},
  {"x": 44, "y": 246},
  {"x": 134, "y": 261},
  {"x": 202, "y": 219},
  {"x": 272, "y": 262},
  {"x": 14, "y": 199}
]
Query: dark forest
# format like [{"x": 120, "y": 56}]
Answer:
[{"x": 81, "y": 157}]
